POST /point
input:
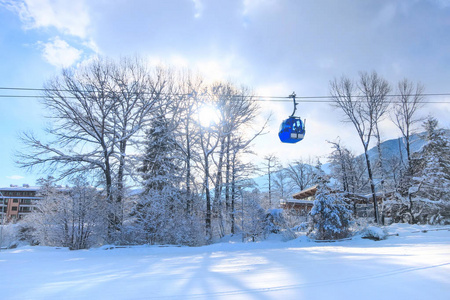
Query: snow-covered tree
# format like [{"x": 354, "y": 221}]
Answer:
[
  {"x": 97, "y": 110},
  {"x": 251, "y": 216},
  {"x": 431, "y": 185},
  {"x": 161, "y": 214},
  {"x": 405, "y": 112},
  {"x": 160, "y": 166},
  {"x": 330, "y": 219},
  {"x": 347, "y": 169},
  {"x": 68, "y": 217},
  {"x": 362, "y": 102},
  {"x": 160, "y": 218},
  {"x": 422, "y": 194}
]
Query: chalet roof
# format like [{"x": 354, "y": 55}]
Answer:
[{"x": 305, "y": 193}]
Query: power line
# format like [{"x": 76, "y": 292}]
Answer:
[{"x": 304, "y": 99}]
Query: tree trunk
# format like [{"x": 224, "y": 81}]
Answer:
[
  {"x": 233, "y": 194},
  {"x": 218, "y": 187},
  {"x": 189, "y": 204},
  {"x": 227, "y": 177},
  {"x": 208, "y": 201},
  {"x": 372, "y": 186}
]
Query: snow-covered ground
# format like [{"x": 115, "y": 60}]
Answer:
[{"x": 412, "y": 265}]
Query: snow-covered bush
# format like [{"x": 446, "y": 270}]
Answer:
[
  {"x": 330, "y": 219},
  {"x": 294, "y": 218},
  {"x": 375, "y": 233},
  {"x": 275, "y": 222},
  {"x": 26, "y": 234},
  {"x": 9, "y": 235}
]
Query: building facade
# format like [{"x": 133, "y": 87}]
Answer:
[{"x": 16, "y": 202}]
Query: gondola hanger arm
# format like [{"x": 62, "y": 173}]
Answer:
[{"x": 293, "y": 95}]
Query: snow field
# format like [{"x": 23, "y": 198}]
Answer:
[{"x": 412, "y": 265}]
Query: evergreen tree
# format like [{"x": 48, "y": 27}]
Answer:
[
  {"x": 330, "y": 219},
  {"x": 159, "y": 167},
  {"x": 431, "y": 185},
  {"x": 160, "y": 214}
]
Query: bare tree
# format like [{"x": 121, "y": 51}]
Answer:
[
  {"x": 409, "y": 101},
  {"x": 376, "y": 89},
  {"x": 220, "y": 144},
  {"x": 185, "y": 101},
  {"x": 271, "y": 163},
  {"x": 301, "y": 174},
  {"x": 340, "y": 165},
  {"x": 349, "y": 170},
  {"x": 280, "y": 182},
  {"x": 238, "y": 177},
  {"x": 209, "y": 140},
  {"x": 361, "y": 105},
  {"x": 95, "y": 110},
  {"x": 237, "y": 111}
]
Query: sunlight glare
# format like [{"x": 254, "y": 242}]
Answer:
[{"x": 208, "y": 115}]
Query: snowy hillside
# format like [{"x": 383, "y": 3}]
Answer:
[
  {"x": 393, "y": 147},
  {"x": 413, "y": 265}
]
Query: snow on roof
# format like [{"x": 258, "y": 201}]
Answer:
[
  {"x": 24, "y": 187},
  {"x": 306, "y": 193},
  {"x": 302, "y": 201}
]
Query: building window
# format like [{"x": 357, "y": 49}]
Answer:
[
  {"x": 15, "y": 200},
  {"x": 14, "y": 208}
]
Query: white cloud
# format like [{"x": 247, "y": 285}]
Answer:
[
  {"x": 15, "y": 177},
  {"x": 198, "y": 8},
  {"x": 59, "y": 53},
  {"x": 252, "y": 5},
  {"x": 227, "y": 67},
  {"x": 69, "y": 17},
  {"x": 91, "y": 45}
]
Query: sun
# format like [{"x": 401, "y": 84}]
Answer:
[{"x": 208, "y": 115}]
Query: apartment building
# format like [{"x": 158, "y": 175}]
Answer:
[{"x": 16, "y": 201}]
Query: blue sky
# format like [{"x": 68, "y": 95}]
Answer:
[{"x": 273, "y": 46}]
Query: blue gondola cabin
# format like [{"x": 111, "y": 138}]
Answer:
[{"x": 292, "y": 130}]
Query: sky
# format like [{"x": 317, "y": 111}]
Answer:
[{"x": 274, "y": 47}]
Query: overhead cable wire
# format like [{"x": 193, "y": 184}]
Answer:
[{"x": 259, "y": 98}]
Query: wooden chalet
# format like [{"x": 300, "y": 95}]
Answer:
[{"x": 303, "y": 201}]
